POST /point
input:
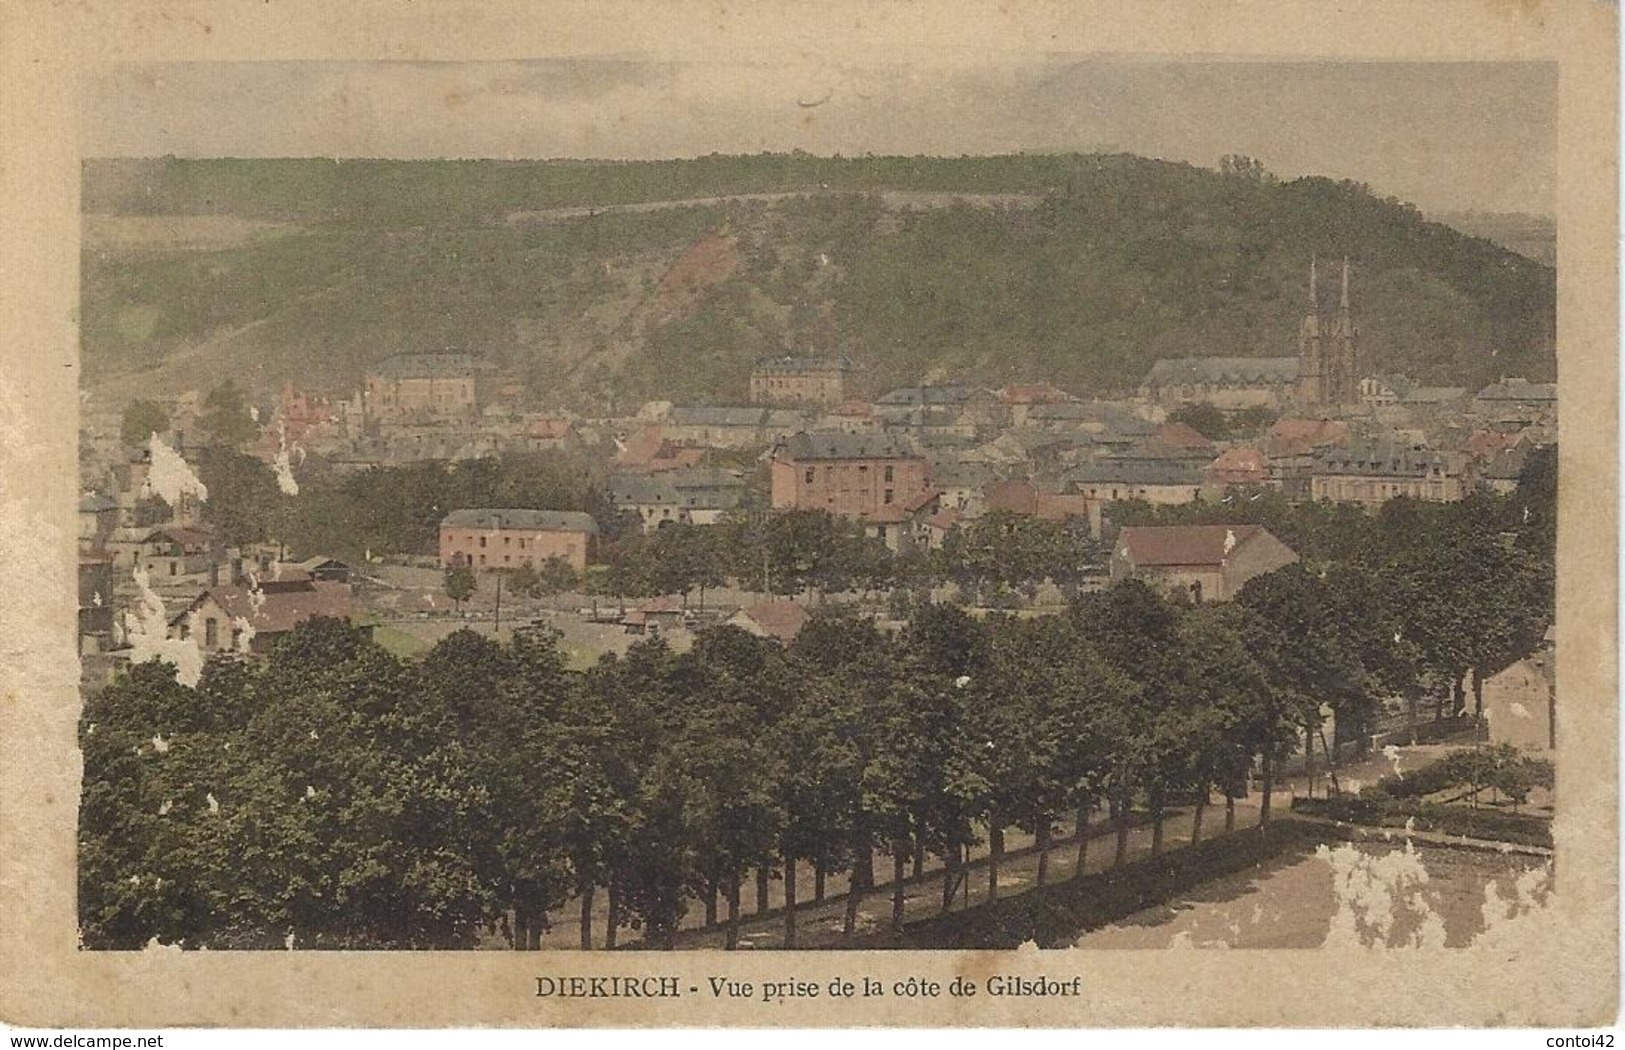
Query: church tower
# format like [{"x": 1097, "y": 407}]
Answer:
[
  {"x": 1311, "y": 347},
  {"x": 1343, "y": 377},
  {"x": 1328, "y": 367}
]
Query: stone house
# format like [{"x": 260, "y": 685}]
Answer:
[
  {"x": 1372, "y": 472},
  {"x": 421, "y": 387},
  {"x": 850, "y": 475},
  {"x": 251, "y": 617},
  {"x": 800, "y": 381},
  {"x": 506, "y": 538},
  {"x": 1206, "y": 563}
]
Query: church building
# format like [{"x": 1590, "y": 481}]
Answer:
[{"x": 1328, "y": 369}]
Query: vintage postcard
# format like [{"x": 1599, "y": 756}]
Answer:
[{"x": 690, "y": 514}]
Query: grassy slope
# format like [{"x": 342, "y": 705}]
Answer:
[{"x": 1110, "y": 264}]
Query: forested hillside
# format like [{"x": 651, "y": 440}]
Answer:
[{"x": 605, "y": 283}]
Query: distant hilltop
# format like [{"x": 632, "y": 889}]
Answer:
[{"x": 604, "y": 284}]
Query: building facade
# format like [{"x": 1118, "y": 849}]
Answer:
[
  {"x": 1230, "y": 384},
  {"x": 1374, "y": 472},
  {"x": 1206, "y": 563},
  {"x": 852, "y": 475},
  {"x": 801, "y": 381},
  {"x": 423, "y": 387},
  {"x": 507, "y": 538}
]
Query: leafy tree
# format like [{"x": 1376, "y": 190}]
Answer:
[
  {"x": 141, "y": 420},
  {"x": 152, "y": 510},
  {"x": 244, "y": 505},
  {"x": 1203, "y": 417},
  {"x": 460, "y": 584},
  {"x": 556, "y": 577},
  {"x": 226, "y": 418},
  {"x": 525, "y": 580}
]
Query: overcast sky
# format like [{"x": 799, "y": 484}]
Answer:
[{"x": 1445, "y": 136}]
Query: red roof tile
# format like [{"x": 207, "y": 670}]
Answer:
[
  {"x": 1183, "y": 544},
  {"x": 781, "y": 620},
  {"x": 271, "y": 612}
]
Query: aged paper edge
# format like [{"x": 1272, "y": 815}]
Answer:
[{"x": 1566, "y": 974}]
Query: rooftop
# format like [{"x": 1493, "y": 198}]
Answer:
[
  {"x": 1223, "y": 370},
  {"x": 790, "y": 365},
  {"x": 520, "y": 518},
  {"x": 1183, "y": 544},
  {"x": 273, "y": 611},
  {"x": 834, "y": 444},
  {"x": 1517, "y": 389}
]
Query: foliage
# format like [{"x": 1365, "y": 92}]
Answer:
[
  {"x": 141, "y": 420},
  {"x": 226, "y": 419},
  {"x": 339, "y": 795},
  {"x": 151, "y": 510},
  {"x": 461, "y": 583},
  {"x": 1093, "y": 268},
  {"x": 1525, "y": 829},
  {"x": 1501, "y": 767},
  {"x": 1202, "y": 417}
]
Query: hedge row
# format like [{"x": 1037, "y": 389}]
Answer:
[
  {"x": 1442, "y": 774},
  {"x": 1526, "y": 829}
]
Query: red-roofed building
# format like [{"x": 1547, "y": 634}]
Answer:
[
  {"x": 1240, "y": 465},
  {"x": 1182, "y": 435},
  {"x": 549, "y": 432},
  {"x": 780, "y": 620},
  {"x": 1294, "y": 437},
  {"x": 902, "y": 524},
  {"x": 1483, "y": 444},
  {"x": 1203, "y": 562},
  {"x": 241, "y": 617},
  {"x": 656, "y": 614},
  {"x": 1023, "y": 497},
  {"x": 939, "y": 525},
  {"x": 1019, "y": 397},
  {"x": 648, "y": 452}
]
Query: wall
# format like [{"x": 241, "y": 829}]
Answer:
[{"x": 511, "y": 548}]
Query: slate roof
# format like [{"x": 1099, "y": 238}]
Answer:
[
  {"x": 1137, "y": 472},
  {"x": 794, "y": 366},
  {"x": 1224, "y": 370},
  {"x": 520, "y": 518},
  {"x": 1433, "y": 395},
  {"x": 717, "y": 416},
  {"x": 1518, "y": 390},
  {"x": 926, "y": 395},
  {"x": 835, "y": 444},
  {"x": 1386, "y": 459}
]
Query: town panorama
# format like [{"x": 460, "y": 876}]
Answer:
[{"x": 799, "y": 552}]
